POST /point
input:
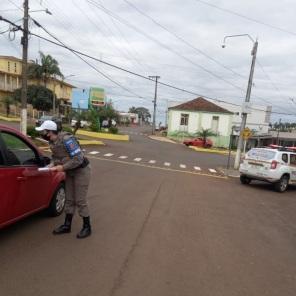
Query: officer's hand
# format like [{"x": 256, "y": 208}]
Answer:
[{"x": 57, "y": 168}]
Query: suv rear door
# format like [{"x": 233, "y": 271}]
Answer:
[{"x": 293, "y": 166}]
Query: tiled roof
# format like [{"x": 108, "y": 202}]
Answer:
[{"x": 200, "y": 104}]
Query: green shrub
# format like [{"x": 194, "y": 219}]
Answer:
[
  {"x": 67, "y": 129},
  {"x": 32, "y": 132},
  {"x": 113, "y": 130}
]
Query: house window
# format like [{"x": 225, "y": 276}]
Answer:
[
  {"x": 8, "y": 66},
  {"x": 14, "y": 67},
  {"x": 184, "y": 119},
  {"x": 215, "y": 124}
]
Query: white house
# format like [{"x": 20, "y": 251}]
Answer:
[
  {"x": 198, "y": 114},
  {"x": 258, "y": 118}
]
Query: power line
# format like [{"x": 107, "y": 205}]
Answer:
[
  {"x": 89, "y": 64},
  {"x": 246, "y": 17},
  {"x": 121, "y": 20},
  {"x": 136, "y": 74},
  {"x": 182, "y": 39}
]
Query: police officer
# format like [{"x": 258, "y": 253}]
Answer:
[{"x": 68, "y": 157}]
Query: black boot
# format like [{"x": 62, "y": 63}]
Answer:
[
  {"x": 86, "y": 229},
  {"x": 66, "y": 227}
]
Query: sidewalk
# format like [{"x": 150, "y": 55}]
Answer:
[{"x": 230, "y": 172}]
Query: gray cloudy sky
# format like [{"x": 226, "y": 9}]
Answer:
[{"x": 116, "y": 32}]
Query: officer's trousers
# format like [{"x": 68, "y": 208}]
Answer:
[{"x": 77, "y": 182}]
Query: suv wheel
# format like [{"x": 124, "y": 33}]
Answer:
[
  {"x": 57, "y": 203},
  {"x": 282, "y": 185},
  {"x": 245, "y": 180}
]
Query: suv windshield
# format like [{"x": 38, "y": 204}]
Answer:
[{"x": 262, "y": 154}]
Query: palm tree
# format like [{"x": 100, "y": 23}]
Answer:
[
  {"x": 49, "y": 68},
  {"x": 204, "y": 134}
]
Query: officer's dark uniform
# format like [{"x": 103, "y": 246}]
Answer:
[{"x": 67, "y": 152}]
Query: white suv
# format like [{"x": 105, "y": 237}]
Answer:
[{"x": 270, "y": 165}]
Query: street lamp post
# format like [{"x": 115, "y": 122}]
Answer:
[{"x": 248, "y": 95}]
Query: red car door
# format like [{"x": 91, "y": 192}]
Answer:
[
  {"x": 8, "y": 187},
  {"x": 28, "y": 189}
]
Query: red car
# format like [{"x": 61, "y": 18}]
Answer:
[
  {"x": 24, "y": 189},
  {"x": 199, "y": 142}
]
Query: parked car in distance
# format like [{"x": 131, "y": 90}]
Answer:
[
  {"x": 199, "y": 142},
  {"x": 277, "y": 166},
  {"x": 25, "y": 188},
  {"x": 56, "y": 119},
  {"x": 83, "y": 123}
]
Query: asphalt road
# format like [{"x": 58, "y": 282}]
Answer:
[
  {"x": 148, "y": 149},
  {"x": 158, "y": 232}
]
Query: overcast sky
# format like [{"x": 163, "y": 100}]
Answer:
[{"x": 117, "y": 32}]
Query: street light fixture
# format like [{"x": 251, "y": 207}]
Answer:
[
  {"x": 45, "y": 10},
  {"x": 71, "y": 75},
  {"x": 248, "y": 94}
]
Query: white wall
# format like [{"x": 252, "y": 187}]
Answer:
[
  {"x": 258, "y": 119},
  {"x": 199, "y": 120},
  {"x": 224, "y": 122}
]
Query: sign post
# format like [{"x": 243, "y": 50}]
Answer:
[{"x": 247, "y": 133}]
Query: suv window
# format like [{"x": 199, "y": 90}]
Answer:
[
  {"x": 17, "y": 151},
  {"x": 293, "y": 159},
  {"x": 285, "y": 157}
]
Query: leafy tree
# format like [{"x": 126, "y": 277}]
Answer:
[
  {"x": 142, "y": 112},
  {"x": 204, "y": 134},
  {"x": 78, "y": 115},
  {"x": 94, "y": 119},
  {"x": 7, "y": 102},
  {"x": 132, "y": 110},
  {"x": 107, "y": 112},
  {"x": 38, "y": 96}
]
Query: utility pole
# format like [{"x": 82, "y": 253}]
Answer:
[
  {"x": 278, "y": 132},
  {"x": 24, "y": 42},
  {"x": 244, "y": 115},
  {"x": 154, "y": 102}
]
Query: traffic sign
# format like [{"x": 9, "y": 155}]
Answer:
[{"x": 247, "y": 133}]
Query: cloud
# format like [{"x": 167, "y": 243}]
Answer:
[{"x": 88, "y": 28}]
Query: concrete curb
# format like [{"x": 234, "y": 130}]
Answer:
[
  {"x": 103, "y": 136},
  {"x": 91, "y": 142},
  {"x": 208, "y": 150},
  {"x": 12, "y": 119}
]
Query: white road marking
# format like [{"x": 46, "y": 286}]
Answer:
[
  {"x": 212, "y": 171},
  {"x": 137, "y": 159},
  {"x": 152, "y": 161},
  {"x": 197, "y": 168},
  {"x": 94, "y": 152},
  {"x": 123, "y": 157},
  {"x": 167, "y": 163},
  {"x": 182, "y": 166},
  {"x": 108, "y": 154}
]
